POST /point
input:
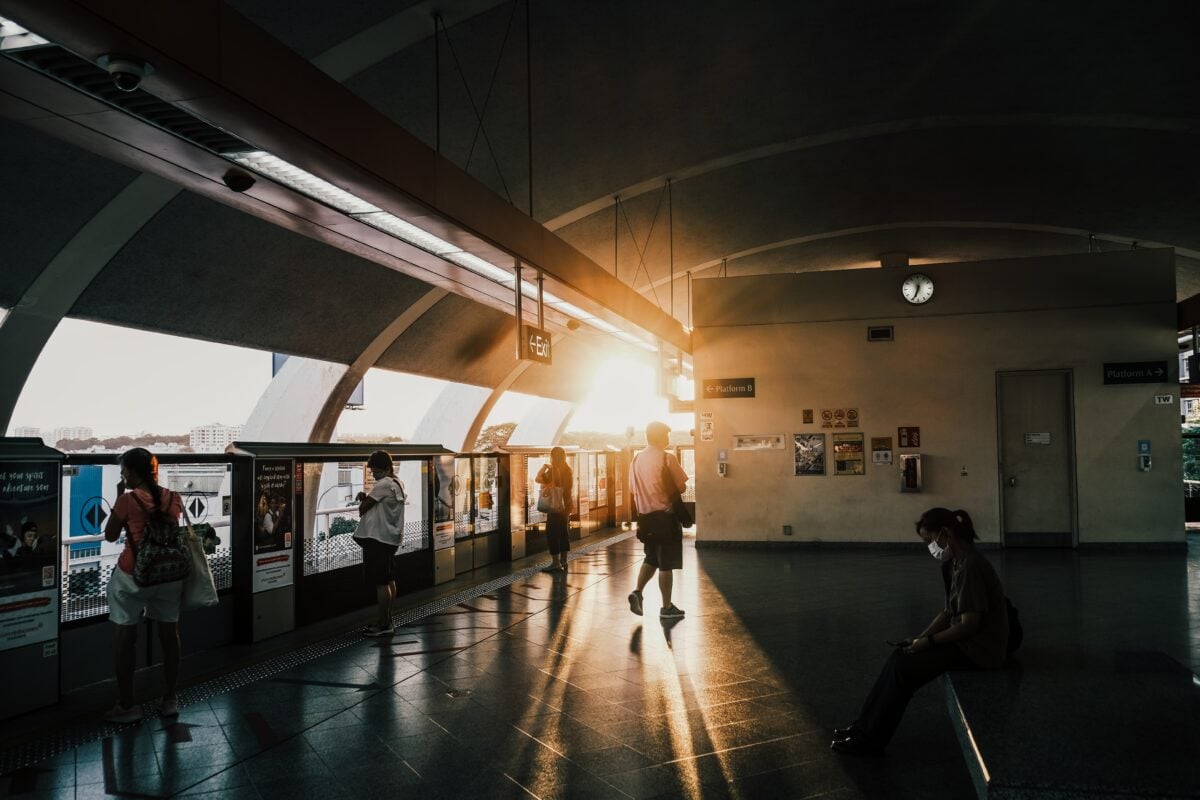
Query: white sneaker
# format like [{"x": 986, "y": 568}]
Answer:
[
  {"x": 671, "y": 612},
  {"x": 123, "y": 716}
]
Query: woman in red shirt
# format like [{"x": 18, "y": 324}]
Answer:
[{"x": 128, "y": 602}]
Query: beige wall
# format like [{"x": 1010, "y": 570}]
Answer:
[{"x": 803, "y": 338}]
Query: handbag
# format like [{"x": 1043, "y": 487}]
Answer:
[
  {"x": 678, "y": 507},
  {"x": 163, "y": 555},
  {"x": 550, "y": 500},
  {"x": 199, "y": 589}
]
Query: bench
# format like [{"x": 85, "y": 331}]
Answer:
[{"x": 1126, "y": 726}]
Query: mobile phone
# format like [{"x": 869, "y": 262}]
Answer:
[{"x": 120, "y": 488}]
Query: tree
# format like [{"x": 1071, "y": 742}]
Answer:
[
  {"x": 342, "y": 525},
  {"x": 494, "y": 437}
]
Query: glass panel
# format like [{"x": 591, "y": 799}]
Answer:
[
  {"x": 533, "y": 465},
  {"x": 487, "y": 501},
  {"x": 89, "y": 492},
  {"x": 461, "y": 489},
  {"x": 601, "y": 474},
  {"x": 687, "y": 460}
]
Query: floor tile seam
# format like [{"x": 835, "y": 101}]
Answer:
[{"x": 277, "y": 664}]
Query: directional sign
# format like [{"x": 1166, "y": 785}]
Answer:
[
  {"x": 197, "y": 506},
  {"x": 1136, "y": 372},
  {"x": 535, "y": 344},
  {"x": 716, "y": 388},
  {"x": 92, "y": 516}
]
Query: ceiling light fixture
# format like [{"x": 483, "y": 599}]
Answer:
[
  {"x": 302, "y": 181},
  {"x": 13, "y": 37}
]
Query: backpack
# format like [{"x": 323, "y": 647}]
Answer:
[{"x": 163, "y": 555}]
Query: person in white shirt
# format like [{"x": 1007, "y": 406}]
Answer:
[
  {"x": 380, "y": 527},
  {"x": 658, "y": 527}
]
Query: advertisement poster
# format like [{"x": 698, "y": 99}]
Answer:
[
  {"x": 29, "y": 552},
  {"x": 810, "y": 453},
  {"x": 443, "y": 502},
  {"x": 848, "y": 454},
  {"x": 274, "y": 490}
]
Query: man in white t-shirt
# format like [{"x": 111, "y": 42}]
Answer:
[
  {"x": 659, "y": 528},
  {"x": 380, "y": 527}
]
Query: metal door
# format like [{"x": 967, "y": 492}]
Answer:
[{"x": 1037, "y": 458}]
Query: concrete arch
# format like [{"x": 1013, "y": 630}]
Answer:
[
  {"x": 448, "y": 420},
  {"x": 544, "y": 423},
  {"x": 28, "y": 326},
  {"x": 1114, "y": 121},
  {"x": 304, "y": 401}
]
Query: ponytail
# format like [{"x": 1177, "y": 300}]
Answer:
[
  {"x": 957, "y": 521},
  {"x": 964, "y": 528}
]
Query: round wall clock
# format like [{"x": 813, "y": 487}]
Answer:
[{"x": 917, "y": 288}]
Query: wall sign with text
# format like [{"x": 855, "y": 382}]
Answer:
[
  {"x": 535, "y": 344},
  {"x": 718, "y": 388}
]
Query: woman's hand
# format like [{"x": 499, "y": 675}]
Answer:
[{"x": 918, "y": 644}]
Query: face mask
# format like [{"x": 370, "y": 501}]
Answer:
[
  {"x": 937, "y": 551},
  {"x": 379, "y": 474}
]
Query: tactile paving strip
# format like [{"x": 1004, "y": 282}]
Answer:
[{"x": 54, "y": 744}]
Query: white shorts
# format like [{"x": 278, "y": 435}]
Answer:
[{"x": 127, "y": 601}]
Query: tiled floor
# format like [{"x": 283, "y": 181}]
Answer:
[{"x": 550, "y": 687}]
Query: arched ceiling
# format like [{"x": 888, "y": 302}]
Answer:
[{"x": 796, "y": 136}]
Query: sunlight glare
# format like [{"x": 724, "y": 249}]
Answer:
[{"x": 624, "y": 393}]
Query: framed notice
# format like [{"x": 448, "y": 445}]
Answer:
[
  {"x": 758, "y": 441},
  {"x": 274, "y": 500},
  {"x": 839, "y": 417},
  {"x": 848, "y": 454},
  {"x": 810, "y": 453},
  {"x": 29, "y": 553},
  {"x": 443, "y": 502}
]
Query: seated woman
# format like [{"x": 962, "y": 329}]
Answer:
[{"x": 971, "y": 632}]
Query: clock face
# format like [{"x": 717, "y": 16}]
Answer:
[{"x": 917, "y": 288}]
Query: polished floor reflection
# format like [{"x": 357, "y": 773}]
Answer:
[{"x": 551, "y": 688}]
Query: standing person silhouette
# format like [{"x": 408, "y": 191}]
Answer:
[
  {"x": 558, "y": 528},
  {"x": 127, "y": 601},
  {"x": 659, "y": 528},
  {"x": 379, "y": 533}
]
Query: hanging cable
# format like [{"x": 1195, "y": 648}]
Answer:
[
  {"x": 529, "y": 98},
  {"x": 616, "y": 232},
  {"x": 671, "y": 243},
  {"x": 437, "y": 83}
]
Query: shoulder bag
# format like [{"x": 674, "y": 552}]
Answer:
[
  {"x": 550, "y": 498},
  {"x": 678, "y": 507},
  {"x": 199, "y": 589}
]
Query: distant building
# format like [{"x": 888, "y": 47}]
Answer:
[
  {"x": 79, "y": 432},
  {"x": 214, "y": 438},
  {"x": 26, "y": 430}
]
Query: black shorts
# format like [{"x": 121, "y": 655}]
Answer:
[
  {"x": 663, "y": 540},
  {"x": 377, "y": 560}
]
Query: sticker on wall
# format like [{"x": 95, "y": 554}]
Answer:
[
  {"x": 848, "y": 454},
  {"x": 808, "y": 416},
  {"x": 839, "y": 417},
  {"x": 707, "y": 426},
  {"x": 810, "y": 453},
  {"x": 759, "y": 441},
  {"x": 908, "y": 437},
  {"x": 881, "y": 450}
]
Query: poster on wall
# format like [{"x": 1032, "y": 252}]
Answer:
[
  {"x": 708, "y": 426},
  {"x": 29, "y": 550},
  {"x": 810, "y": 453},
  {"x": 848, "y": 454},
  {"x": 274, "y": 491},
  {"x": 881, "y": 450},
  {"x": 443, "y": 502}
]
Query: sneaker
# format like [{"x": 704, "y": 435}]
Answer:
[
  {"x": 635, "y": 602},
  {"x": 376, "y": 630},
  {"x": 123, "y": 716},
  {"x": 671, "y": 612},
  {"x": 551, "y": 568},
  {"x": 168, "y": 708}
]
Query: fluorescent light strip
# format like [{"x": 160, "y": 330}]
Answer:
[
  {"x": 304, "y": 182},
  {"x": 13, "y": 37},
  {"x": 322, "y": 190},
  {"x": 478, "y": 265},
  {"x": 418, "y": 237}
]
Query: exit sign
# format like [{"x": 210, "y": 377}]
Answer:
[{"x": 535, "y": 345}]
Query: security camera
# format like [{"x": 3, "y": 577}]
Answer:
[
  {"x": 127, "y": 72},
  {"x": 572, "y": 324},
  {"x": 237, "y": 180}
]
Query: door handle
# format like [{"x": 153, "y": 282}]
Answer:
[{"x": 1012, "y": 480}]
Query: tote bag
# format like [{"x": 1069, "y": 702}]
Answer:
[{"x": 199, "y": 589}]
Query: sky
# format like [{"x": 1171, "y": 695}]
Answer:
[{"x": 119, "y": 380}]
